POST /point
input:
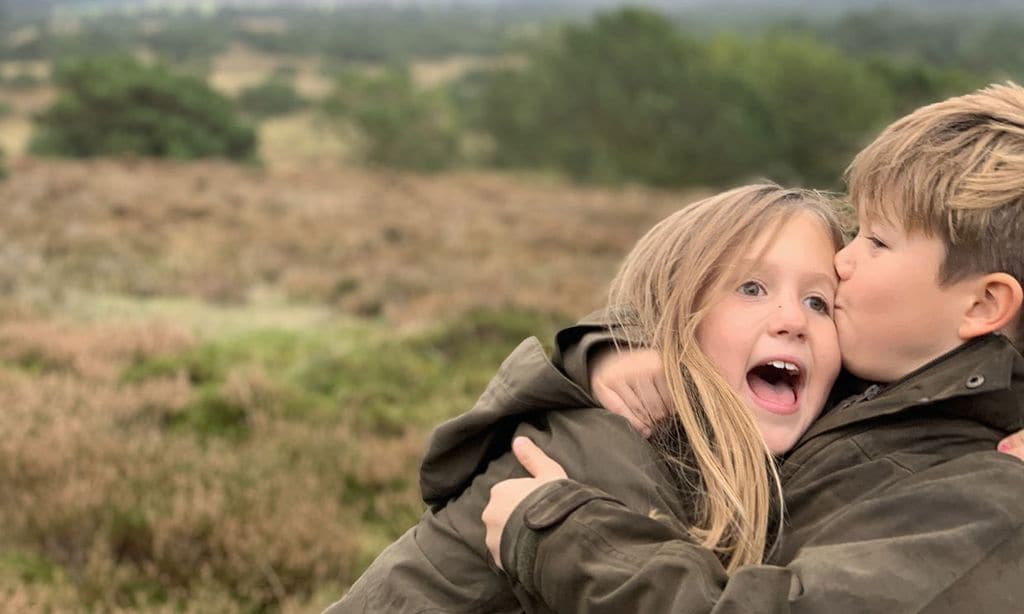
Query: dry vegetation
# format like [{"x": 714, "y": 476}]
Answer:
[
  {"x": 218, "y": 380},
  {"x": 409, "y": 248},
  {"x": 240, "y": 67}
]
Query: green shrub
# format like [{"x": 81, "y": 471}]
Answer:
[
  {"x": 26, "y": 566},
  {"x": 820, "y": 105},
  {"x": 630, "y": 97},
  {"x": 625, "y": 98},
  {"x": 274, "y": 96},
  {"x": 396, "y": 123},
  {"x": 118, "y": 106},
  {"x": 212, "y": 415},
  {"x": 386, "y": 384}
]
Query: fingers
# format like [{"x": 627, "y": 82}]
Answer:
[
  {"x": 661, "y": 384},
  {"x": 653, "y": 405},
  {"x": 632, "y": 384},
  {"x": 535, "y": 461},
  {"x": 631, "y": 407},
  {"x": 1013, "y": 445},
  {"x": 505, "y": 496}
]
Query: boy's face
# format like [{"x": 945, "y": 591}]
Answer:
[
  {"x": 779, "y": 312},
  {"x": 891, "y": 313}
]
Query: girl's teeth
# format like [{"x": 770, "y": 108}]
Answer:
[{"x": 781, "y": 364}]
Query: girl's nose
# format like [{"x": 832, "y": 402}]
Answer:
[{"x": 789, "y": 319}]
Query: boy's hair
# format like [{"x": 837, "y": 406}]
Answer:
[
  {"x": 665, "y": 287},
  {"x": 953, "y": 170}
]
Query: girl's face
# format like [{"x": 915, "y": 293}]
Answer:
[{"x": 771, "y": 334}]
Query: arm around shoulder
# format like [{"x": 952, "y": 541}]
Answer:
[{"x": 937, "y": 541}]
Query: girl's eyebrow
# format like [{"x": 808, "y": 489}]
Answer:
[
  {"x": 750, "y": 266},
  {"x": 828, "y": 280}
]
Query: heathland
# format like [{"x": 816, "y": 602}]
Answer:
[{"x": 218, "y": 375}]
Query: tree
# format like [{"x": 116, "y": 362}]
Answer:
[
  {"x": 118, "y": 106},
  {"x": 625, "y": 97},
  {"x": 398, "y": 124},
  {"x": 821, "y": 105}
]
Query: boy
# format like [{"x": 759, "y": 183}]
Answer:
[{"x": 895, "y": 499}]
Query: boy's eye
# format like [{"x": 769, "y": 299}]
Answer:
[
  {"x": 875, "y": 242},
  {"x": 751, "y": 288},
  {"x": 818, "y": 304}
]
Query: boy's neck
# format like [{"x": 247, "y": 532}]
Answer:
[{"x": 848, "y": 384}]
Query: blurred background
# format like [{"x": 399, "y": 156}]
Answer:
[{"x": 251, "y": 252}]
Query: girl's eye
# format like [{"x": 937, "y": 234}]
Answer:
[
  {"x": 751, "y": 288},
  {"x": 818, "y": 304}
]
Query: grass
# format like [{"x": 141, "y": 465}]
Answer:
[
  {"x": 263, "y": 467},
  {"x": 218, "y": 382}
]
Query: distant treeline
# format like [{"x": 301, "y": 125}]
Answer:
[
  {"x": 631, "y": 97},
  {"x": 976, "y": 41},
  {"x": 627, "y": 96},
  {"x": 357, "y": 34},
  {"x": 990, "y": 43}
]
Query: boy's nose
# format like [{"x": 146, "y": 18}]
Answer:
[{"x": 844, "y": 263}]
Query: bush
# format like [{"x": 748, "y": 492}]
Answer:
[
  {"x": 275, "y": 96},
  {"x": 820, "y": 105},
  {"x": 398, "y": 124},
  {"x": 626, "y": 97},
  {"x": 629, "y": 97},
  {"x": 117, "y": 106}
]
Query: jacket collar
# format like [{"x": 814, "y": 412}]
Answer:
[{"x": 988, "y": 369}]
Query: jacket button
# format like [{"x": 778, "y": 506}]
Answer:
[{"x": 975, "y": 380}]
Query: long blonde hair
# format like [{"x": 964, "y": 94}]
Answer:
[{"x": 659, "y": 297}]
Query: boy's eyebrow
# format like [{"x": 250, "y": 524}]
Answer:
[{"x": 876, "y": 222}]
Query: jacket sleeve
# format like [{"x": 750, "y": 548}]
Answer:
[
  {"x": 443, "y": 565},
  {"x": 431, "y": 568},
  {"x": 574, "y": 345},
  {"x": 580, "y": 551}
]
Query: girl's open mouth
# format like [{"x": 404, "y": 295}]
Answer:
[{"x": 776, "y": 385}]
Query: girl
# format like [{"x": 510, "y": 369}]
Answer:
[{"x": 737, "y": 290}]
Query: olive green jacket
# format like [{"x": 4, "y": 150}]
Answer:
[
  {"x": 442, "y": 564},
  {"x": 896, "y": 501}
]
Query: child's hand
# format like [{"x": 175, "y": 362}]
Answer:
[
  {"x": 1013, "y": 445},
  {"x": 632, "y": 384},
  {"x": 508, "y": 494}
]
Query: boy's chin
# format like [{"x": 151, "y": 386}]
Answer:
[{"x": 871, "y": 371}]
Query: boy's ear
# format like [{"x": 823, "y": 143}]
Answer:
[{"x": 996, "y": 304}]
